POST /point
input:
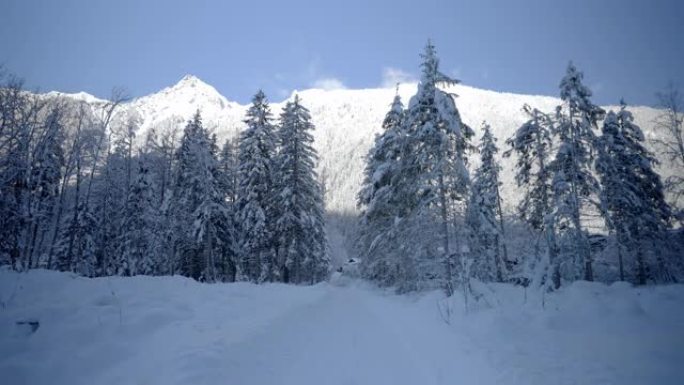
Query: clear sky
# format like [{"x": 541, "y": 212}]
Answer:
[{"x": 628, "y": 48}]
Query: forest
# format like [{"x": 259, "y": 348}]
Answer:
[{"x": 81, "y": 192}]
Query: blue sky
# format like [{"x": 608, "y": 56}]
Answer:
[{"x": 626, "y": 48}]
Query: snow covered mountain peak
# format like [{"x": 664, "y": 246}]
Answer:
[
  {"x": 192, "y": 81},
  {"x": 174, "y": 105},
  {"x": 192, "y": 89}
]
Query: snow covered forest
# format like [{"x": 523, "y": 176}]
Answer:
[
  {"x": 575, "y": 165},
  {"x": 427, "y": 233},
  {"x": 78, "y": 195},
  {"x": 84, "y": 189}
]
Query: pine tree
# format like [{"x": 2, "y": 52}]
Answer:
[
  {"x": 201, "y": 235},
  {"x": 533, "y": 145},
  {"x": 228, "y": 169},
  {"x": 138, "y": 241},
  {"x": 573, "y": 181},
  {"x": 300, "y": 223},
  {"x": 379, "y": 199},
  {"x": 484, "y": 212},
  {"x": 77, "y": 250},
  {"x": 255, "y": 194},
  {"x": 435, "y": 167},
  {"x": 632, "y": 194}
]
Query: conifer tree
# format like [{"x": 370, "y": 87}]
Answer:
[
  {"x": 300, "y": 223},
  {"x": 255, "y": 194},
  {"x": 201, "y": 238},
  {"x": 573, "y": 181},
  {"x": 632, "y": 193},
  {"x": 484, "y": 214},
  {"x": 435, "y": 167},
  {"x": 228, "y": 169},
  {"x": 533, "y": 145},
  {"x": 78, "y": 250},
  {"x": 379, "y": 201},
  {"x": 138, "y": 241}
]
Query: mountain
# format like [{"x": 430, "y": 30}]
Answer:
[{"x": 346, "y": 123}]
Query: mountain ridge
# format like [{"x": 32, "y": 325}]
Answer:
[
  {"x": 192, "y": 79},
  {"x": 347, "y": 121}
]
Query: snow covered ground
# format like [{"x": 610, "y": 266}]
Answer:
[{"x": 172, "y": 330}]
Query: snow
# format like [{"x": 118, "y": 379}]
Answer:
[
  {"x": 172, "y": 330},
  {"x": 80, "y": 96},
  {"x": 347, "y": 120}
]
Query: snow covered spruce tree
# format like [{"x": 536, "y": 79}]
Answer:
[
  {"x": 483, "y": 214},
  {"x": 379, "y": 201},
  {"x": 254, "y": 213},
  {"x": 632, "y": 197},
  {"x": 532, "y": 144},
  {"x": 435, "y": 177},
  {"x": 138, "y": 242},
  {"x": 228, "y": 170},
  {"x": 300, "y": 227},
  {"x": 202, "y": 236},
  {"x": 573, "y": 181}
]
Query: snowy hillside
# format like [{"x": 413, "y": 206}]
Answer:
[
  {"x": 347, "y": 121},
  {"x": 173, "y": 330}
]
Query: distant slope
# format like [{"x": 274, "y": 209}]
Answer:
[{"x": 347, "y": 122}]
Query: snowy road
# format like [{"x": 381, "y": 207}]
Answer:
[
  {"x": 345, "y": 337},
  {"x": 172, "y": 330}
]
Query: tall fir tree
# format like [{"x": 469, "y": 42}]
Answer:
[
  {"x": 138, "y": 241},
  {"x": 255, "y": 194},
  {"x": 300, "y": 222},
  {"x": 378, "y": 199},
  {"x": 202, "y": 242},
  {"x": 632, "y": 195},
  {"x": 435, "y": 167},
  {"x": 573, "y": 180},
  {"x": 484, "y": 213},
  {"x": 532, "y": 144},
  {"x": 228, "y": 169}
]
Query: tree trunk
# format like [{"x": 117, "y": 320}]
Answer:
[
  {"x": 620, "y": 240},
  {"x": 445, "y": 238}
]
